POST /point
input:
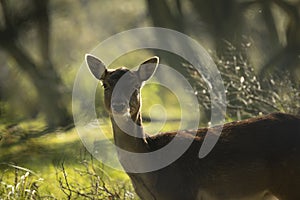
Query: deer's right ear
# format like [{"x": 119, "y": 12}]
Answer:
[
  {"x": 96, "y": 66},
  {"x": 147, "y": 68}
]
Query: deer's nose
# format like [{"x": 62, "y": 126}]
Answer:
[{"x": 118, "y": 107}]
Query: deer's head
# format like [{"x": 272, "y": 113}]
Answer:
[{"x": 122, "y": 86}]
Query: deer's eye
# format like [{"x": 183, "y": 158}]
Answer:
[
  {"x": 104, "y": 85},
  {"x": 137, "y": 87}
]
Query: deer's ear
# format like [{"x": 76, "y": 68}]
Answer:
[
  {"x": 147, "y": 68},
  {"x": 96, "y": 66}
]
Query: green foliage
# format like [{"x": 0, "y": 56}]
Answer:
[
  {"x": 88, "y": 181},
  {"x": 55, "y": 157}
]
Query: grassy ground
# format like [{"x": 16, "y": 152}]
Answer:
[
  {"x": 57, "y": 165},
  {"x": 49, "y": 158}
]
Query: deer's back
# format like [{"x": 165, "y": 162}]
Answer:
[
  {"x": 250, "y": 156},
  {"x": 273, "y": 133}
]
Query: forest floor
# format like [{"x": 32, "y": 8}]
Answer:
[{"x": 55, "y": 164}]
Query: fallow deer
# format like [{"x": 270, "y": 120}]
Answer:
[{"x": 257, "y": 158}]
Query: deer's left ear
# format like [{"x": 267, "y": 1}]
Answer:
[
  {"x": 147, "y": 68},
  {"x": 96, "y": 66}
]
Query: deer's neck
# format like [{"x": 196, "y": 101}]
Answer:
[{"x": 129, "y": 134}]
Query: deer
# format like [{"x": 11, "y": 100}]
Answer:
[{"x": 256, "y": 158}]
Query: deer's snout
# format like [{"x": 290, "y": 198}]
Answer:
[{"x": 119, "y": 107}]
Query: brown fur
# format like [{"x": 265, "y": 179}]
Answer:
[
  {"x": 254, "y": 155},
  {"x": 253, "y": 158}
]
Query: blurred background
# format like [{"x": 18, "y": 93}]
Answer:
[
  {"x": 43, "y": 43},
  {"x": 255, "y": 44}
]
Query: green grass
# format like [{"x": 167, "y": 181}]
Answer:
[
  {"x": 44, "y": 158},
  {"x": 41, "y": 156},
  {"x": 38, "y": 160}
]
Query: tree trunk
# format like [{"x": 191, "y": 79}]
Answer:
[
  {"x": 48, "y": 85},
  {"x": 42, "y": 74}
]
